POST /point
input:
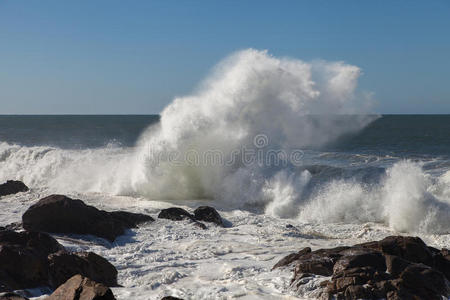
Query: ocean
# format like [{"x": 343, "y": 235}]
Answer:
[
  {"x": 288, "y": 152},
  {"x": 391, "y": 177}
]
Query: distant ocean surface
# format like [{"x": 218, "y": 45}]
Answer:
[
  {"x": 73, "y": 131},
  {"x": 408, "y": 136}
]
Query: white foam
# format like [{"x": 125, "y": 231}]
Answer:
[
  {"x": 249, "y": 94},
  {"x": 404, "y": 200}
]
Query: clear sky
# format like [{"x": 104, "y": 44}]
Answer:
[{"x": 106, "y": 56}]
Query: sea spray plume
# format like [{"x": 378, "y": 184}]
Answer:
[
  {"x": 406, "y": 200},
  {"x": 408, "y": 203},
  {"x": 248, "y": 94}
]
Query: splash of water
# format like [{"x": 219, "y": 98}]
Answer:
[{"x": 248, "y": 94}]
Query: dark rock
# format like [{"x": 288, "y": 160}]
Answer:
[
  {"x": 12, "y": 187},
  {"x": 359, "y": 292},
  {"x": 200, "y": 225},
  {"x": 175, "y": 214},
  {"x": 396, "y": 267},
  {"x": 131, "y": 220},
  {"x": 82, "y": 288},
  {"x": 319, "y": 262},
  {"x": 14, "y": 226},
  {"x": 170, "y": 298},
  {"x": 424, "y": 281},
  {"x": 61, "y": 214},
  {"x": 12, "y": 296},
  {"x": 287, "y": 260},
  {"x": 63, "y": 265},
  {"x": 208, "y": 214},
  {"x": 23, "y": 259},
  {"x": 360, "y": 257},
  {"x": 410, "y": 248}
]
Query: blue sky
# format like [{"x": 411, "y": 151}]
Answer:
[{"x": 96, "y": 56}]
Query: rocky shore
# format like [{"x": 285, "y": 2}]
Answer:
[
  {"x": 32, "y": 258},
  {"x": 395, "y": 267}
]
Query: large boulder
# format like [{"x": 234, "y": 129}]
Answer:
[
  {"x": 35, "y": 259},
  {"x": 81, "y": 288},
  {"x": 23, "y": 259},
  {"x": 63, "y": 265},
  {"x": 394, "y": 268},
  {"x": 12, "y": 187},
  {"x": 208, "y": 214},
  {"x": 61, "y": 214}
]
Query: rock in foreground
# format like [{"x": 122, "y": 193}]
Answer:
[
  {"x": 23, "y": 259},
  {"x": 394, "y": 268},
  {"x": 12, "y": 187},
  {"x": 63, "y": 265},
  {"x": 35, "y": 259},
  {"x": 81, "y": 288},
  {"x": 61, "y": 214}
]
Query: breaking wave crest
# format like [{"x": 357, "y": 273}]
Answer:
[{"x": 293, "y": 106}]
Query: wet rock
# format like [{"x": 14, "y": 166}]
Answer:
[
  {"x": 424, "y": 281},
  {"x": 82, "y": 288},
  {"x": 360, "y": 257},
  {"x": 63, "y": 265},
  {"x": 409, "y": 248},
  {"x": 175, "y": 214},
  {"x": 287, "y": 260},
  {"x": 12, "y": 296},
  {"x": 23, "y": 259},
  {"x": 61, "y": 214},
  {"x": 12, "y": 187},
  {"x": 208, "y": 214},
  {"x": 396, "y": 267}
]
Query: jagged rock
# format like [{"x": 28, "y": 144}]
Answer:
[
  {"x": 396, "y": 267},
  {"x": 81, "y": 288},
  {"x": 23, "y": 259},
  {"x": 61, "y": 214},
  {"x": 360, "y": 257},
  {"x": 12, "y": 187},
  {"x": 175, "y": 214},
  {"x": 12, "y": 296},
  {"x": 63, "y": 265},
  {"x": 291, "y": 258},
  {"x": 208, "y": 214}
]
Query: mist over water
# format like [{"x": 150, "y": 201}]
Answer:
[
  {"x": 248, "y": 94},
  {"x": 348, "y": 167}
]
